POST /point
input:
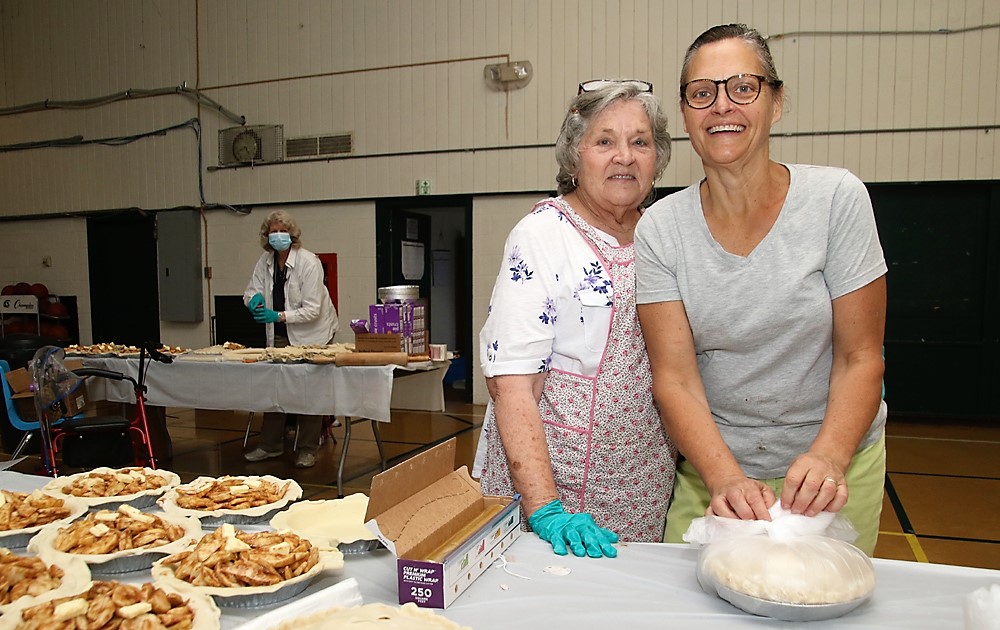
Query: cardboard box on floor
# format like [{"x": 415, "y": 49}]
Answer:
[
  {"x": 20, "y": 387},
  {"x": 19, "y": 381},
  {"x": 442, "y": 530}
]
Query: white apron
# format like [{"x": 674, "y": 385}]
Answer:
[{"x": 609, "y": 452}]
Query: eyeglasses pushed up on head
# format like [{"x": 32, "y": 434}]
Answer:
[
  {"x": 741, "y": 89},
  {"x": 597, "y": 84}
]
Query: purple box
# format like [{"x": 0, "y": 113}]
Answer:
[
  {"x": 438, "y": 584},
  {"x": 387, "y": 318}
]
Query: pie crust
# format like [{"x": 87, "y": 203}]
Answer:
[
  {"x": 376, "y": 616},
  {"x": 206, "y": 613},
  {"x": 18, "y": 538},
  {"x": 327, "y": 523},
  {"x": 163, "y": 573},
  {"x": 75, "y": 578},
  {"x": 44, "y": 543},
  {"x": 256, "y": 514},
  {"x": 90, "y": 486}
]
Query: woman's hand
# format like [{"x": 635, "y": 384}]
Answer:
[
  {"x": 267, "y": 316},
  {"x": 572, "y": 532},
  {"x": 256, "y": 302},
  {"x": 814, "y": 483},
  {"x": 741, "y": 497}
]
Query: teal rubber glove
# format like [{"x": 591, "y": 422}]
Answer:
[
  {"x": 257, "y": 301},
  {"x": 578, "y": 532},
  {"x": 266, "y": 316}
]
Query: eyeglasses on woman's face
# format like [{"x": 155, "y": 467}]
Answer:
[
  {"x": 741, "y": 89},
  {"x": 597, "y": 84}
]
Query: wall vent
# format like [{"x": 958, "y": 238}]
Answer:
[
  {"x": 251, "y": 144},
  {"x": 316, "y": 146}
]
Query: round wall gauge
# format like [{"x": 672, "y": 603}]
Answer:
[{"x": 246, "y": 146}]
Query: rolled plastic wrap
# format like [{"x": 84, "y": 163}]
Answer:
[{"x": 982, "y": 608}]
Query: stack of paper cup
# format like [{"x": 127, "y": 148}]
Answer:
[{"x": 439, "y": 351}]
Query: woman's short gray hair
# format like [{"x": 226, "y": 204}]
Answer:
[
  {"x": 589, "y": 105},
  {"x": 280, "y": 217}
]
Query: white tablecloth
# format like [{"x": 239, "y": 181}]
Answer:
[
  {"x": 420, "y": 387},
  {"x": 356, "y": 391},
  {"x": 646, "y": 586}
]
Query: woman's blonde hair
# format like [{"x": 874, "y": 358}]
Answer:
[{"x": 280, "y": 217}]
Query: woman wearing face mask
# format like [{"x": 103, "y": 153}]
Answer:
[{"x": 286, "y": 293}]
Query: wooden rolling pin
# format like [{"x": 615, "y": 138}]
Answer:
[
  {"x": 370, "y": 358},
  {"x": 439, "y": 554}
]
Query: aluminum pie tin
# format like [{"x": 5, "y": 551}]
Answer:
[
  {"x": 259, "y": 600},
  {"x": 211, "y": 522},
  {"x": 125, "y": 564},
  {"x": 788, "y": 612},
  {"x": 16, "y": 542},
  {"x": 357, "y": 547},
  {"x": 139, "y": 503},
  {"x": 252, "y": 596}
]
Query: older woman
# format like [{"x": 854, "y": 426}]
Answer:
[
  {"x": 571, "y": 425},
  {"x": 761, "y": 293},
  {"x": 287, "y": 294}
]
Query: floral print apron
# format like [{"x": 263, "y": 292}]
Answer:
[{"x": 609, "y": 452}]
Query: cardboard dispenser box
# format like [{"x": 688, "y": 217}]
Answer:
[
  {"x": 391, "y": 342},
  {"x": 442, "y": 530}
]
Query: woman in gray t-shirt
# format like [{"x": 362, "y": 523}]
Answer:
[{"x": 761, "y": 295}]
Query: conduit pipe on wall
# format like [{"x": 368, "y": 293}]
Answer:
[{"x": 88, "y": 103}]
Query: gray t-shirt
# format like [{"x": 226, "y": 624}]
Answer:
[{"x": 763, "y": 324}]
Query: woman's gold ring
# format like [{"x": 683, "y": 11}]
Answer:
[{"x": 832, "y": 480}]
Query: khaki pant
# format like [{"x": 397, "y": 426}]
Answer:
[
  {"x": 272, "y": 430},
  {"x": 865, "y": 481}
]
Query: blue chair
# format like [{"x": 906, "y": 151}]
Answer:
[{"x": 29, "y": 427}]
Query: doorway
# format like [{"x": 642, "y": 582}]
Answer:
[
  {"x": 124, "y": 302},
  {"x": 441, "y": 225}
]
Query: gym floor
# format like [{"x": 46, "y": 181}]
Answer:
[{"x": 942, "y": 489}]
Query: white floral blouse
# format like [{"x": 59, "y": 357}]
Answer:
[{"x": 551, "y": 304}]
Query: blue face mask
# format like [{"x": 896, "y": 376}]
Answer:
[{"x": 280, "y": 241}]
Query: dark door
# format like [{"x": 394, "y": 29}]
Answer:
[
  {"x": 396, "y": 221},
  {"x": 942, "y": 246},
  {"x": 403, "y": 249},
  {"x": 124, "y": 302}
]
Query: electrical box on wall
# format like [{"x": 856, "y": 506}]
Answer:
[{"x": 179, "y": 259}]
